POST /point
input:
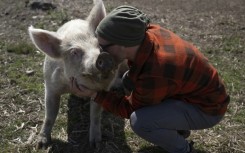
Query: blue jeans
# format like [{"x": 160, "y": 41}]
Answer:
[{"x": 159, "y": 123}]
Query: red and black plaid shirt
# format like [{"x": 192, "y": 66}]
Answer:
[{"x": 167, "y": 67}]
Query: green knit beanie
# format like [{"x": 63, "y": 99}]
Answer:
[{"x": 125, "y": 25}]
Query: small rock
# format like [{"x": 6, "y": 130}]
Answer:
[
  {"x": 13, "y": 82},
  {"x": 242, "y": 28},
  {"x": 30, "y": 72},
  {"x": 38, "y": 5}
]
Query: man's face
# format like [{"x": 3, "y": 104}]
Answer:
[{"x": 115, "y": 50}]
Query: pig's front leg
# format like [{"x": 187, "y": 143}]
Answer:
[
  {"x": 95, "y": 124},
  {"x": 52, "y": 102}
]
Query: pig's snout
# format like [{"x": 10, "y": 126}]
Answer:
[{"x": 105, "y": 62}]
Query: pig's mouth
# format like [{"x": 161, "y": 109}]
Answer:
[{"x": 80, "y": 86}]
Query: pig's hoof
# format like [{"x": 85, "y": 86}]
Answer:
[
  {"x": 94, "y": 144},
  {"x": 43, "y": 141},
  {"x": 95, "y": 137}
]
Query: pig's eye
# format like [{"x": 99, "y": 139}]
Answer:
[{"x": 75, "y": 52}]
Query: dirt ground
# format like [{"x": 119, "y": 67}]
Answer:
[
  {"x": 217, "y": 27},
  {"x": 193, "y": 19}
]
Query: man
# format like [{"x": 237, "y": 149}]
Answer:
[{"x": 174, "y": 88}]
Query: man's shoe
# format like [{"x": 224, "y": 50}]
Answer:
[
  {"x": 184, "y": 133},
  {"x": 192, "y": 150}
]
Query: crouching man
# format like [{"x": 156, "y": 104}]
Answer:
[{"x": 174, "y": 89}]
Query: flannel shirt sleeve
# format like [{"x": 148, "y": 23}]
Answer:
[
  {"x": 118, "y": 105},
  {"x": 148, "y": 92}
]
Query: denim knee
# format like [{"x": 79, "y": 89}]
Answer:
[
  {"x": 138, "y": 125},
  {"x": 135, "y": 125}
]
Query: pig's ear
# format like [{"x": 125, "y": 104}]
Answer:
[
  {"x": 45, "y": 41},
  {"x": 96, "y": 14}
]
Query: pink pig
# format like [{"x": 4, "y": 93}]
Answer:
[{"x": 73, "y": 52}]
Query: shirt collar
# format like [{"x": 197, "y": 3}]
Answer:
[{"x": 141, "y": 56}]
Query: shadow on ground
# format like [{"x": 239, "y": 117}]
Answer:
[
  {"x": 113, "y": 136},
  {"x": 156, "y": 149}
]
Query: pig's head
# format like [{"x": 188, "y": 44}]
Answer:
[{"x": 77, "y": 47}]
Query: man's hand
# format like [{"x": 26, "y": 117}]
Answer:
[{"x": 81, "y": 91}]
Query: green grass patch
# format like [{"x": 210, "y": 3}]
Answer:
[
  {"x": 60, "y": 15},
  {"x": 20, "y": 48},
  {"x": 16, "y": 70},
  {"x": 239, "y": 116},
  {"x": 233, "y": 43}
]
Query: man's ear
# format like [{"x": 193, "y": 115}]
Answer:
[
  {"x": 96, "y": 14},
  {"x": 46, "y": 41}
]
